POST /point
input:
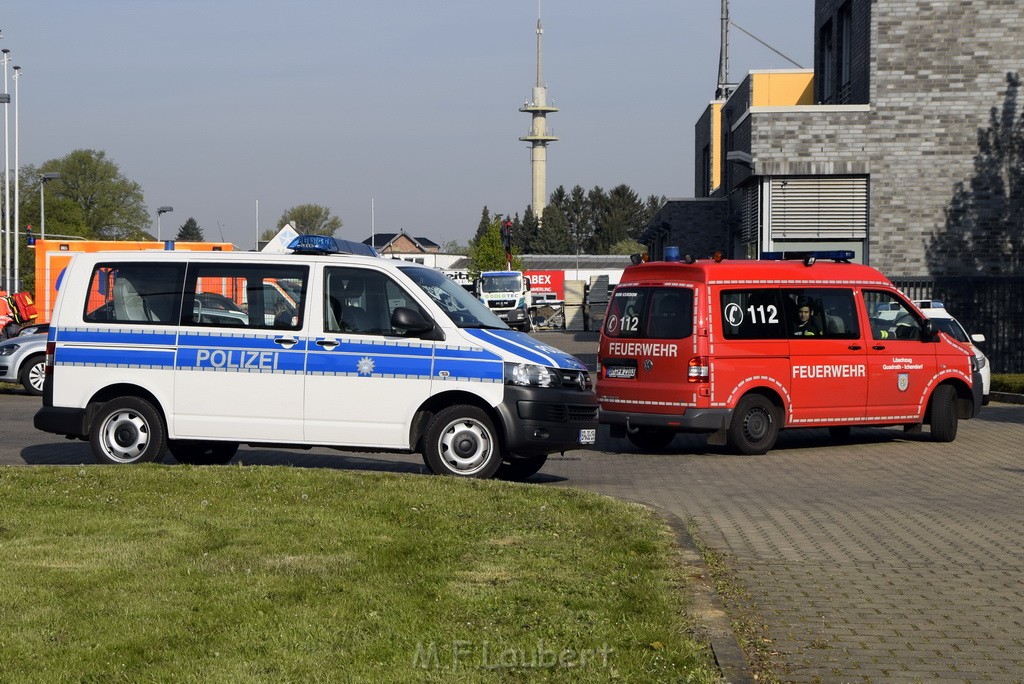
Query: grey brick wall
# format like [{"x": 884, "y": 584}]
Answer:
[{"x": 939, "y": 68}]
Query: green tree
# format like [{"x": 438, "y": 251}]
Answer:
[
  {"x": 453, "y": 247},
  {"x": 553, "y": 237},
  {"x": 190, "y": 232},
  {"x": 112, "y": 206},
  {"x": 310, "y": 219},
  {"x": 526, "y": 232},
  {"x": 485, "y": 223},
  {"x": 486, "y": 253},
  {"x": 627, "y": 246}
]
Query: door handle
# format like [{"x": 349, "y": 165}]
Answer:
[
  {"x": 854, "y": 347},
  {"x": 286, "y": 342},
  {"x": 329, "y": 344},
  {"x": 878, "y": 347}
]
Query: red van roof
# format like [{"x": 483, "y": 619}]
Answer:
[{"x": 747, "y": 271}]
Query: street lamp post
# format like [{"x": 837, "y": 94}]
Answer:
[
  {"x": 160, "y": 211},
  {"x": 43, "y": 180},
  {"x": 6, "y": 100},
  {"x": 17, "y": 201}
]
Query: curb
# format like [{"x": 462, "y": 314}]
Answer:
[
  {"x": 1006, "y": 397},
  {"x": 707, "y": 605}
]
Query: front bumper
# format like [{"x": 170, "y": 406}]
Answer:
[{"x": 544, "y": 420}]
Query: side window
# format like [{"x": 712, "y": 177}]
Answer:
[
  {"x": 821, "y": 312},
  {"x": 891, "y": 317},
  {"x": 361, "y": 301},
  {"x": 146, "y": 293},
  {"x": 753, "y": 314},
  {"x": 652, "y": 313},
  {"x": 265, "y": 296}
]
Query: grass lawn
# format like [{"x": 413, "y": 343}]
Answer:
[{"x": 238, "y": 573}]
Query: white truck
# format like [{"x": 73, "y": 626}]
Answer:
[{"x": 505, "y": 294}]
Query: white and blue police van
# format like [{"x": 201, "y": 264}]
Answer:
[{"x": 198, "y": 352}]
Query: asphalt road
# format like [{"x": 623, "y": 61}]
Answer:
[{"x": 888, "y": 558}]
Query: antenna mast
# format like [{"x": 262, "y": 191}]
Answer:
[{"x": 724, "y": 88}]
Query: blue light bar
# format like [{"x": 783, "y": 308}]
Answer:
[
  {"x": 326, "y": 244},
  {"x": 834, "y": 255}
]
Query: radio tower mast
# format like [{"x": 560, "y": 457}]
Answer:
[{"x": 539, "y": 135}]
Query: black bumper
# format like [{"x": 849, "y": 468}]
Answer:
[
  {"x": 61, "y": 421},
  {"x": 544, "y": 420},
  {"x": 694, "y": 420}
]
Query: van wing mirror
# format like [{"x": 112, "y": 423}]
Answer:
[
  {"x": 929, "y": 332},
  {"x": 410, "y": 320}
]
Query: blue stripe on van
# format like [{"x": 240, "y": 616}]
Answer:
[
  {"x": 522, "y": 345},
  {"x": 368, "y": 365},
  {"x": 118, "y": 357}
]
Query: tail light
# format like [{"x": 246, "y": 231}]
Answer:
[
  {"x": 698, "y": 370},
  {"x": 50, "y": 347}
]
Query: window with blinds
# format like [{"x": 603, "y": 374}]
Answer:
[{"x": 819, "y": 207}]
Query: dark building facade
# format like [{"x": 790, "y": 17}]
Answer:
[{"x": 888, "y": 147}]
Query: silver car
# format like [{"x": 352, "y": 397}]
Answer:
[{"x": 23, "y": 359}]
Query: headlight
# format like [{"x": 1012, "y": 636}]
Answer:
[
  {"x": 530, "y": 375},
  {"x": 982, "y": 362},
  {"x": 8, "y": 349}
]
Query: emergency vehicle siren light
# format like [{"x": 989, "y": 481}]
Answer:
[
  {"x": 639, "y": 258},
  {"x": 672, "y": 253},
  {"x": 327, "y": 244},
  {"x": 809, "y": 257}
]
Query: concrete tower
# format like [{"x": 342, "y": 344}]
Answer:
[{"x": 539, "y": 136}]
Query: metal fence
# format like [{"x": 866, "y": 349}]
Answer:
[{"x": 991, "y": 305}]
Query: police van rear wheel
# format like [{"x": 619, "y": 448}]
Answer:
[
  {"x": 462, "y": 441},
  {"x": 650, "y": 438},
  {"x": 198, "y": 452},
  {"x": 754, "y": 427},
  {"x": 127, "y": 430},
  {"x": 944, "y": 418}
]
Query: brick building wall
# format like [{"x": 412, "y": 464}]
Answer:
[{"x": 938, "y": 68}]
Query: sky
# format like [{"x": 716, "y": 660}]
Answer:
[{"x": 217, "y": 107}]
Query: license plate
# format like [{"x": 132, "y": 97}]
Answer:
[
  {"x": 587, "y": 436},
  {"x": 619, "y": 372}
]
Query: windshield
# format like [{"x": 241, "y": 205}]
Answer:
[
  {"x": 951, "y": 328},
  {"x": 501, "y": 283},
  {"x": 462, "y": 308}
]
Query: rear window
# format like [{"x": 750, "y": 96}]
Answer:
[{"x": 650, "y": 313}]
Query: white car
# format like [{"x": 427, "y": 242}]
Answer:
[{"x": 934, "y": 309}]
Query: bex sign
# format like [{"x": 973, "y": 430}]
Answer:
[{"x": 547, "y": 282}]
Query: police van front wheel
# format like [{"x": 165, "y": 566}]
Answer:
[
  {"x": 127, "y": 430},
  {"x": 754, "y": 426},
  {"x": 461, "y": 440}
]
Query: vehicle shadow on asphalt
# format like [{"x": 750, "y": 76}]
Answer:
[{"x": 79, "y": 453}]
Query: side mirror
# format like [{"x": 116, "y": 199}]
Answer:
[
  {"x": 526, "y": 283},
  {"x": 929, "y": 333},
  {"x": 977, "y": 338},
  {"x": 410, "y": 320}
]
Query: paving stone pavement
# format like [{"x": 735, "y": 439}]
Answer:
[{"x": 885, "y": 559}]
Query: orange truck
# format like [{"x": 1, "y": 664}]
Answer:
[{"x": 53, "y": 256}]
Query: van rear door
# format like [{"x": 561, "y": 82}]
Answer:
[{"x": 649, "y": 342}]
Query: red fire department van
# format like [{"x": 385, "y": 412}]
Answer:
[{"x": 741, "y": 349}]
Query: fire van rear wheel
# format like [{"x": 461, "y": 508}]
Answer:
[
  {"x": 127, "y": 430},
  {"x": 754, "y": 427},
  {"x": 944, "y": 418},
  {"x": 461, "y": 440}
]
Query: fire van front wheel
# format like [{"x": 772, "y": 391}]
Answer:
[
  {"x": 461, "y": 440},
  {"x": 127, "y": 430},
  {"x": 754, "y": 427},
  {"x": 944, "y": 418}
]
